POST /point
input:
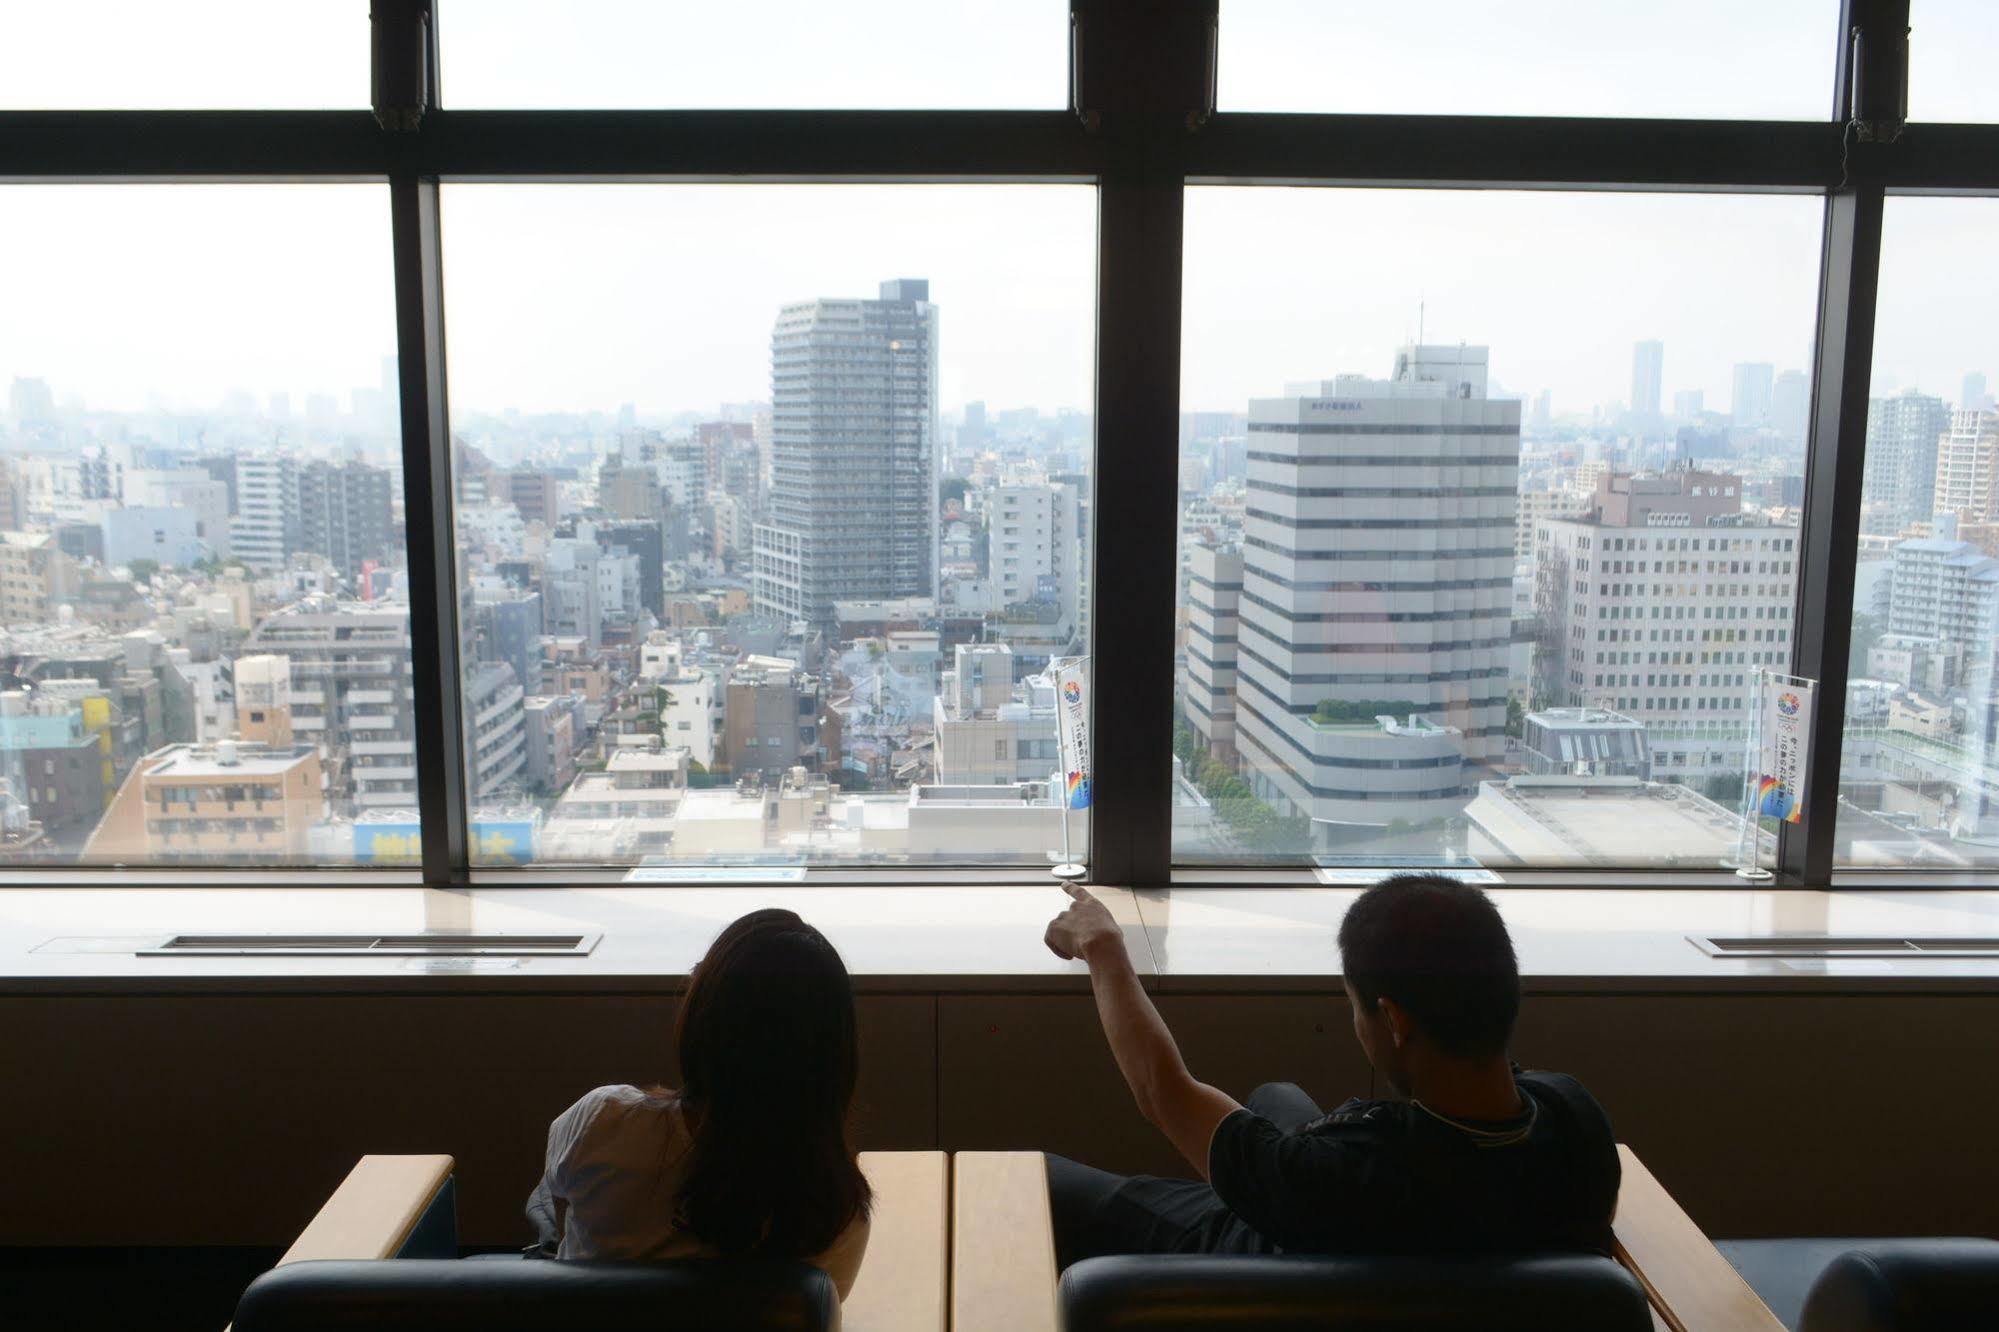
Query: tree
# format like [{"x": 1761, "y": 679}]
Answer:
[
  {"x": 953, "y": 488},
  {"x": 1516, "y": 718}
]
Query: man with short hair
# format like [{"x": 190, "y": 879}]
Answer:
[{"x": 1479, "y": 1158}]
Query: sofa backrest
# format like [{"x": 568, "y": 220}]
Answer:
[
  {"x": 1913, "y": 1285},
  {"x": 1199, "y": 1293},
  {"x": 536, "y": 1295}
]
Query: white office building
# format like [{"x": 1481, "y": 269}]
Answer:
[{"x": 1376, "y": 602}]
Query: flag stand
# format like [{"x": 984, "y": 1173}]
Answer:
[
  {"x": 1074, "y": 765},
  {"x": 1748, "y": 841}
]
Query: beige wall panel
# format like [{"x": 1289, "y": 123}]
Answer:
[
  {"x": 227, "y": 1120},
  {"x": 1779, "y": 1115}
]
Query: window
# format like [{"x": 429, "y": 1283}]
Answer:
[
  {"x": 755, "y": 54},
  {"x": 747, "y": 478},
  {"x": 161, "y": 385},
  {"x": 773, "y": 456},
  {"x": 1917, "y": 774},
  {"x": 1385, "y": 499},
  {"x": 1675, "y": 58},
  {"x": 219, "y": 54},
  {"x": 1952, "y": 44}
]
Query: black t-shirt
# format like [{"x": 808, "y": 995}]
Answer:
[{"x": 1392, "y": 1177}]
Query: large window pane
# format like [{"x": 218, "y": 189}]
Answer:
[
  {"x": 773, "y": 511},
  {"x": 83, "y": 55},
  {"x": 1952, "y": 47},
  {"x": 1919, "y": 772},
  {"x": 1490, "y": 510},
  {"x": 1689, "y": 58},
  {"x": 756, "y": 54},
  {"x": 203, "y": 585}
]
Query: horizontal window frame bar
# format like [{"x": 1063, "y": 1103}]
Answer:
[{"x": 1333, "y": 151}]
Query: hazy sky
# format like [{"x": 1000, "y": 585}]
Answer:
[{"x": 591, "y": 296}]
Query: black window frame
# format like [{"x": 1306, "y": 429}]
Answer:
[{"x": 1142, "y": 127}]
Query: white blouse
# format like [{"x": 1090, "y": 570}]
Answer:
[{"x": 614, "y": 1164}]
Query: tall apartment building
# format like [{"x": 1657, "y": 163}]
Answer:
[
  {"x": 1377, "y": 575},
  {"x": 265, "y": 528},
  {"x": 1945, "y": 593},
  {"x": 1214, "y": 611},
  {"x": 1898, "y": 487},
  {"x": 1648, "y": 361},
  {"x": 344, "y": 514},
  {"x": 352, "y": 695},
  {"x": 853, "y": 503},
  {"x": 1657, "y": 604},
  {"x": 1967, "y": 475},
  {"x": 1034, "y": 549}
]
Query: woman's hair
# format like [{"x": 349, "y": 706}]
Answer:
[{"x": 768, "y": 1058}]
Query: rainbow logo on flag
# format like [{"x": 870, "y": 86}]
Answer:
[
  {"x": 1079, "y": 791},
  {"x": 1773, "y": 800}
]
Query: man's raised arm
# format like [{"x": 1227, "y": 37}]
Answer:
[{"x": 1184, "y": 1109}]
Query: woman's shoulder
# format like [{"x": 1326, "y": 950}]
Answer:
[{"x": 614, "y": 1109}]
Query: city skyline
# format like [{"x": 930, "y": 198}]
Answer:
[{"x": 190, "y": 314}]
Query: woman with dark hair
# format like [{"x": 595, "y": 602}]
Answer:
[{"x": 749, "y": 1156}]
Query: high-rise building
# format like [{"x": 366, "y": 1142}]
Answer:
[
  {"x": 1967, "y": 475},
  {"x": 345, "y": 513},
  {"x": 1791, "y": 406},
  {"x": 1658, "y": 603},
  {"x": 1898, "y": 487},
  {"x": 853, "y": 505},
  {"x": 1648, "y": 360},
  {"x": 1750, "y": 404},
  {"x": 1376, "y": 608},
  {"x": 1973, "y": 397},
  {"x": 1033, "y": 545},
  {"x": 1688, "y": 403},
  {"x": 265, "y": 528}
]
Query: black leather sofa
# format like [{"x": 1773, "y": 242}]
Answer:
[
  {"x": 1186, "y": 1293},
  {"x": 447, "y": 1295},
  {"x": 1873, "y": 1285}
]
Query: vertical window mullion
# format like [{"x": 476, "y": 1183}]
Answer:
[
  {"x": 1828, "y": 550},
  {"x": 1143, "y": 75},
  {"x": 427, "y": 519}
]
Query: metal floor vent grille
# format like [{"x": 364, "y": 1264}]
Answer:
[
  {"x": 1845, "y": 945},
  {"x": 431, "y": 943}
]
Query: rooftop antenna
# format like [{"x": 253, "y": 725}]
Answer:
[{"x": 1419, "y": 323}]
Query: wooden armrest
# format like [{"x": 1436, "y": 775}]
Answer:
[
  {"x": 903, "y": 1279},
  {"x": 373, "y": 1210},
  {"x": 1002, "y": 1244},
  {"x": 1691, "y": 1286}
]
